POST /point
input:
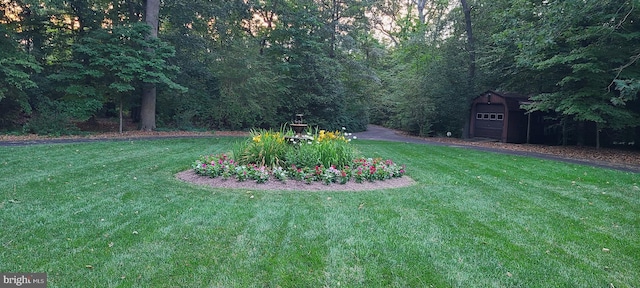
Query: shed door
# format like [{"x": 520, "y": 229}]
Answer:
[{"x": 489, "y": 121}]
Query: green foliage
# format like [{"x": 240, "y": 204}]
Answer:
[
  {"x": 257, "y": 63},
  {"x": 322, "y": 156},
  {"x": 263, "y": 148},
  {"x": 304, "y": 155},
  {"x": 57, "y": 117},
  {"x": 321, "y": 148},
  {"x": 406, "y": 76},
  {"x": 50, "y": 123},
  {"x": 16, "y": 68},
  {"x": 112, "y": 63},
  {"x": 568, "y": 53},
  {"x": 15, "y": 73},
  {"x": 235, "y": 81},
  {"x": 52, "y": 118},
  {"x": 629, "y": 91}
]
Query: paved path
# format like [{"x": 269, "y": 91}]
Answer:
[{"x": 375, "y": 132}]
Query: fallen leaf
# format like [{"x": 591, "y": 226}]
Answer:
[
  {"x": 135, "y": 232},
  {"x": 509, "y": 274},
  {"x": 110, "y": 244},
  {"x": 606, "y": 250},
  {"x": 88, "y": 266}
]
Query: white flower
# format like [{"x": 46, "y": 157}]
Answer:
[
  {"x": 343, "y": 128},
  {"x": 355, "y": 137}
]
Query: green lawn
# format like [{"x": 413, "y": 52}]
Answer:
[{"x": 112, "y": 214}]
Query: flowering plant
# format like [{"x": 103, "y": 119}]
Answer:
[
  {"x": 326, "y": 157},
  {"x": 362, "y": 170},
  {"x": 376, "y": 169},
  {"x": 322, "y": 148},
  {"x": 215, "y": 166},
  {"x": 264, "y": 147}
]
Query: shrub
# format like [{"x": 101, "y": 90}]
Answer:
[{"x": 51, "y": 123}]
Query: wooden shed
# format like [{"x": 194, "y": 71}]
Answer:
[{"x": 497, "y": 115}]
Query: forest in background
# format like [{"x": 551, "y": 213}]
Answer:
[{"x": 412, "y": 65}]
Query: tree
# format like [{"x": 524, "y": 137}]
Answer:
[
  {"x": 148, "y": 105},
  {"x": 582, "y": 50},
  {"x": 114, "y": 63},
  {"x": 16, "y": 67},
  {"x": 471, "y": 44}
]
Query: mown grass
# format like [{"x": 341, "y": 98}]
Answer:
[{"x": 112, "y": 215}]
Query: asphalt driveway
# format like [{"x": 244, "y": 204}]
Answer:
[{"x": 374, "y": 132}]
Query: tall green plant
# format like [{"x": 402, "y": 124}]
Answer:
[
  {"x": 263, "y": 148},
  {"x": 322, "y": 148}
]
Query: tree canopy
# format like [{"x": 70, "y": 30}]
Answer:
[{"x": 235, "y": 65}]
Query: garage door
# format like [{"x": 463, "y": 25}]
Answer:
[{"x": 489, "y": 121}]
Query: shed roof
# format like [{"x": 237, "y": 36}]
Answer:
[
  {"x": 511, "y": 99},
  {"x": 511, "y": 95}
]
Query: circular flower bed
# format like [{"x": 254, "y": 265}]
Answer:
[{"x": 320, "y": 156}]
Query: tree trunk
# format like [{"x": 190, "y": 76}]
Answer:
[
  {"x": 470, "y": 44},
  {"x": 421, "y": 4},
  {"x": 597, "y": 135},
  {"x": 335, "y": 18},
  {"x": 120, "y": 130},
  {"x": 148, "y": 109},
  {"x": 565, "y": 133},
  {"x": 471, "y": 82}
]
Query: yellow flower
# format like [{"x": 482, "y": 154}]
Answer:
[{"x": 256, "y": 138}]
